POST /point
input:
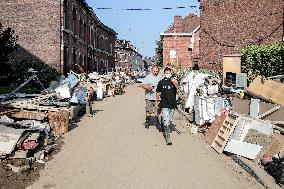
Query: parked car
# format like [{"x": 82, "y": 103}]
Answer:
[{"x": 139, "y": 79}]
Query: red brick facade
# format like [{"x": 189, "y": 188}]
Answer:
[
  {"x": 37, "y": 23},
  {"x": 228, "y": 26},
  {"x": 105, "y": 48},
  {"x": 62, "y": 33},
  {"x": 127, "y": 56},
  {"x": 181, "y": 42}
]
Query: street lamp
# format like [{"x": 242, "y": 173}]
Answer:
[{"x": 126, "y": 29}]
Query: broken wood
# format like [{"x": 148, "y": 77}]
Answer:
[
  {"x": 268, "y": 90},
  {"x": 59, "y": 121},
  {"x": 31, "y": 115}
]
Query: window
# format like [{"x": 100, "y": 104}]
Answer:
[
  {"x": 84, "y": 61},
  {"x": 74, "y": 20},
  {"x": 80, "y": 60},
  {"x": 66, "y": 14},
  {"x": 74, "y": 57},
  {"x": 95, "y": 38},
  {"x": 84, "y": 36},
  {"x": 91, "y": 35},
  {"x": 80, "y": 27},
  {"x": 65, "y": 60}
]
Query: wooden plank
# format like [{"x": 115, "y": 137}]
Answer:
[
  {"x": 59, "y": 122},
  {"x": 31, "y": 115},
  {"x": 268, "y": 90}
]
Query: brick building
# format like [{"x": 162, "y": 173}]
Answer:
[
  {"x": 105, "y": 48},
  {"x": 228, "y": 26},
  {"x": 181, "y": 41},
  {"x": 149, "y": 62},
  {"x": 127, "y": 56},
  {"x": 61, "y": 33}
]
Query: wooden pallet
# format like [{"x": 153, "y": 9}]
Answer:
[
  {"x": 224, "y": 133},
  {"x": 213, "y": 130}
]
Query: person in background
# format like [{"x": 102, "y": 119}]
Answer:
[
  {"x": 150, "y": 83},
  {"x": 166, "y": 91}
]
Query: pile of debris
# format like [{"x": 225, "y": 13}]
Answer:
[
  {"x": 236, "y": 119},
  {"x": 109, "y": 85},
  {"x": 201, "y": 96},
  {"x": 30, "y": 123},
  {"x": 26, "y": 141}
]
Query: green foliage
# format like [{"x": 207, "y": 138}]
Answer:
[
  {"x": 266, "y": 60},
  {"x": 8, "y": 41},
  {"x": 8, "y": 45},
  {"x": 159, "y": 52},
  {"x": 45, "y": 73}
]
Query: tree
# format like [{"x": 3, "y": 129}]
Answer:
[
  {"x": 8, "y": 41},
  {"x": 8, "y": 45},
  {"x": 159, "y": 52}
]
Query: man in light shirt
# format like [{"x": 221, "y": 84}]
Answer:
[{"x": 150, "y": 83}]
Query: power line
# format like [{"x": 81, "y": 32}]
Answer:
[
  {"x": 252, "y": 43},
  {"x": 145, "y": 9}
]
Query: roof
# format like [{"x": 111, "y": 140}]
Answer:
[
  {"x": 108, "y": 29},
  {"x": 189, "y": 23}
]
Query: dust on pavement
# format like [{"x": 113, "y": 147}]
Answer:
[{"x": 114, "y": 150}]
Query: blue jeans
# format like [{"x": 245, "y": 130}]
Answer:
[{"x": 167, "y": 117}]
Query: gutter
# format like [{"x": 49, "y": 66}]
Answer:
[
  {"x": 176, "y": 34},
  {"x": 193, "y": 37}
]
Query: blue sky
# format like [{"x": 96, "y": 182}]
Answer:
[{"x": 142, "y": 28}]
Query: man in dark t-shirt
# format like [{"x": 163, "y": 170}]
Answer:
[{"x": 167, "y": 90}]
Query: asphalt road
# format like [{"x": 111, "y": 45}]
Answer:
[{"x": 114, "y": 150}]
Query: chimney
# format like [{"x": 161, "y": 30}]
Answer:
[{"x": 178, "y": 24}]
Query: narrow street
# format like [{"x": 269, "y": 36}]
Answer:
[{"x": 114, "y": 150}]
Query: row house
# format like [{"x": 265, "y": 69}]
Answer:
[
  {"x": 181, "y": 42},
  {"x": 127, "y": 57},
  {"x": 65, "y": 34},
  {"x": 149, "y": 62},
  {"x": 105, "y": 49},
  {"x": 229, "y": 26}
]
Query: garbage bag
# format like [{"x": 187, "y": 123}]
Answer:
[{"x": 276, "y": 169}]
